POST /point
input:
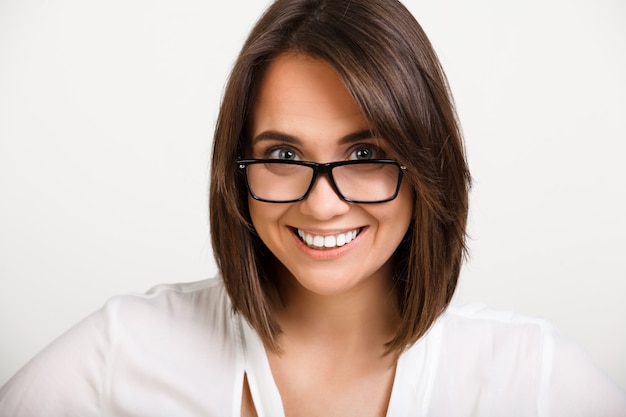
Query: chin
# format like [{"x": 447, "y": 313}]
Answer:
[{"x": 333, "y": 282}]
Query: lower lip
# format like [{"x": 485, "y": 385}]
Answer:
[{"x": 325, "y": 254}]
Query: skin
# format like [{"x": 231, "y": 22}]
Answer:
[{"x": 337, "y": 307}]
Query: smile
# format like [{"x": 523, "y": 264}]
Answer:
[{"x": 327, "y": 241}]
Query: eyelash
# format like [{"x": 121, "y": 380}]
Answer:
[
  {"x": 267, "y": 153},
  {"x": 376, "y": 151}
]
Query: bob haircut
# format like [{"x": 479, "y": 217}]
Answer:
[{"x": 389, "y": 67}]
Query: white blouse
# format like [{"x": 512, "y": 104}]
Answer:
[{"x": 180, "y": 351}]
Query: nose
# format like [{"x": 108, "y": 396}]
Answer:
[{"x": 322, "y": 202}]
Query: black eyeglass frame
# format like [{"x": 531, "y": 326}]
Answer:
[{"x": 321, "y": 169}]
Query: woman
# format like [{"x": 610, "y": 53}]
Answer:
[
  {"x": 331, "y": 82},
  {"x": 338, "y": 210}
]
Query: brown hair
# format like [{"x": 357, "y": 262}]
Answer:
[{"x": 389, "y": 66}]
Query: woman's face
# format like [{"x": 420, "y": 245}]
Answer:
[{"x": 304, "y": 112}]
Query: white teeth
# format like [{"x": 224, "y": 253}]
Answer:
[
  {"x": 329, "y": 241},
  {"x": 318, "y": 241}
]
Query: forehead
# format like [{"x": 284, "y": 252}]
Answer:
[
  {"x": 296, "y": 72},
  {"x": 299, "y": 88}
]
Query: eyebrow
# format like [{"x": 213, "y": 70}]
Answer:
[{"x": 283, "y": 137}]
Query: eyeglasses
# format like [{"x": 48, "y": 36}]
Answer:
[{"x": 362, "y": 181}]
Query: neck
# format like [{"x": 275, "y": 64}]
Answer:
[{"x": 364, "y": 317}]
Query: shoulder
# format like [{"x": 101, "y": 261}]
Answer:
[
  {"x": 176, "y": 340},
  {"x": 489, "y": 345},
  {"x": 494, "y": 360},
  {"x": 479, "y": 325},
  {"x": 489, "y": 361},
  {"x": 211, "y": 290},
  {"x": 207, "y": 296},
  {"x": 162, "y": 350},
  {"x": 173, "y": 309}
]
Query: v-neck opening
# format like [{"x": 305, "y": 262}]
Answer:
[
  {"x": 265, "y": 395},
  {"x": 410, "y": 393}
]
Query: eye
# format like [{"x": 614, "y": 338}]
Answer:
[
  {"x": 366, "y": 152},
  {"x": 281, "y": 153}
]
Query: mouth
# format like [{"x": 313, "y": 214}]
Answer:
[{"x": 327, "y": 241}]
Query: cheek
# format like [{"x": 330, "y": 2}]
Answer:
[
  {"x": 258, "y": 213},
  {"x": 265, "y": 217},
  {"x": 404, "y": 206},
  {"x": 393, "y": 221},
  {"x": 398, "y": 219}
]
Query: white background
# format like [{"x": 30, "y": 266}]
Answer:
[{"x": 106, "y": 117}]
